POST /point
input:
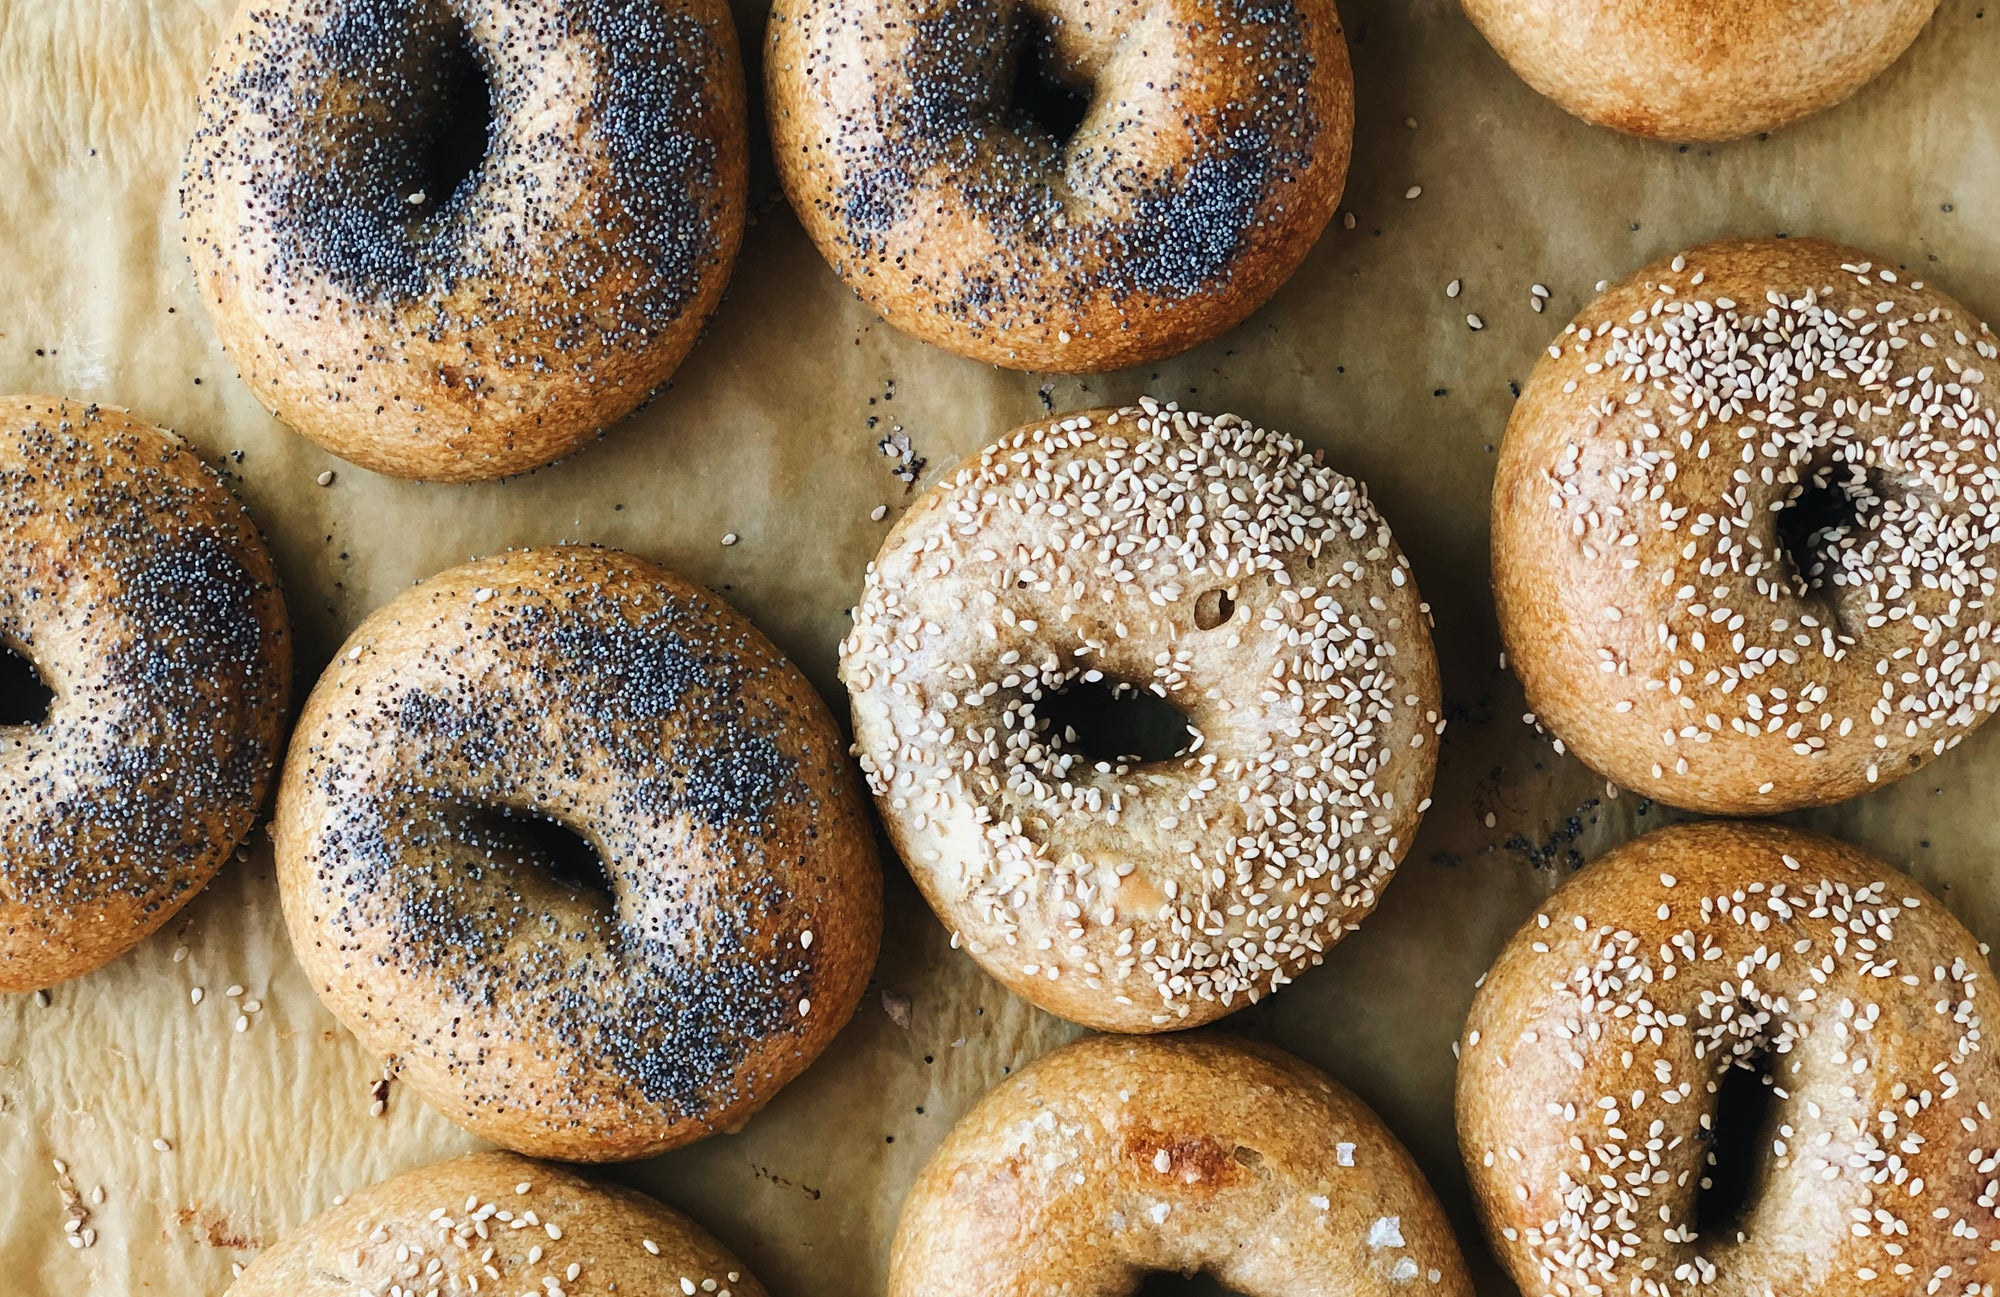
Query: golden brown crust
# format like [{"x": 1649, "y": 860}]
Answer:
[
  {"x": 1744, "y": 555},
  {"x": 738, "y": 914},
  {"x": 488, "y": 331},
  {"x": 1213, "y": 152},
  {"x": 496, "y": 1222},
  {"x": 1698, "y": 69},
  {"x": 1116, "y": 1157},
  {"x": 1589, "y": 1068},
  {"x": 139, "y": 590},
  {"x": 1219, "y": 566}
]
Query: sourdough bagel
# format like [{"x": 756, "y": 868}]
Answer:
[
  {"x": 1592, "y": 1064},
  {"x": 147, "y": 703},
  {"x": 1209, "y": 156},
  {"x": 493, "y": 1221},
  {"x": 1745, "y": 527},
  {"x": 452, "y": 327},
  {"x": 720, "y": 932},
  {"x": 1216, "y": 566},
  {"x": 1698, "y": 69},
  {"x": 1115, "y": 1157}
]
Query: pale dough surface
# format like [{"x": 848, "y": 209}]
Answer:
[{"x": 766, "y": 434}]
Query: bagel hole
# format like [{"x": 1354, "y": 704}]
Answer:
[
  {"x": 1745, "y": 1108},
  {"x": 1814, "y": 522},
  {"x": 1118, "y": 723},
  {"x": 25, "y": 698},
  {"x": 1040, "y": 96},
  {"x": 1213, "y": 608},
  {"x": 559, "y": 852},
  {"x": 1170, "y": 1284},
  {"x": 457, "y": 132}
]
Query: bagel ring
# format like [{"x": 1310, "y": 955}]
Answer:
[
  {"x": 1746, "y": 528},
  {"x": 449, "y": 328},
  {"x": 585, "y": 1010},
  {"x": 141, "y": 596},
  {"x": 1209, "y": 157},
  {"x": 1591, "y": 1075},
  {"x": 489, "y": 1219},
  {"x": 1697, "y": 69},
  {"x": 1115, "y": 1157},
  {"x": 1215, "y": 566}
]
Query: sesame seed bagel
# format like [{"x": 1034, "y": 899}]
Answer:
[
  {"x": 1592, "y": 1067},
  {"x": 1210, "y": 154},
  {"x": 1698, "y": 69},
  {"x": 1217, "y": 566},
  {"x": 495, "y": 1222},
  {"x": 614, "y": 1008},
  {"x": 1745, "y": 528},
  {"x": 139, "y": 755},
  {"x": 431, "y": 326},
  {"x": 1114, "y": 1157}
]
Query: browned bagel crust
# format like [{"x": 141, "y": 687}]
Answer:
[
  {"x": 1116, "y": 1157},
  {"x": 139, "y": 589},
  {"x": 1668, "y": 619},
  {"x": 630, "y": 705},
  {"x": 1698, "y": 69},
  {"x": 1221, "y": 567},
  {"x": 1590, "y": 1064},
  {"x": 1214, "y": 150},
  {"x": 495, "y": 1222},
  {"x": 488, "y": 331}
]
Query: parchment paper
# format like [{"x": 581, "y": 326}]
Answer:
[{"x": 771, "y": 431}]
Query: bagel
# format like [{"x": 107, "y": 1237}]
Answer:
[
  {"x": 1698, "y": 69},
  {"x": 720, "y": 932},
  {"x": 1590, "y": 1076},
  {"x": 1211, "y": 153},
  {"x": 151, "y": 678},
  {"x": 1115, "y": 1157},
  {"x": 1216, "y": 566},
  {"x": 428, "y": 325},
  {"x": 1745, "y": 526},
  {"x": 495, "y": 1221}
]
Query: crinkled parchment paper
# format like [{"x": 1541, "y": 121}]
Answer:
[{"x": 770, "y": 431}]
